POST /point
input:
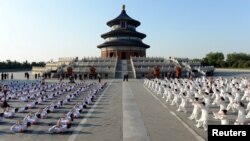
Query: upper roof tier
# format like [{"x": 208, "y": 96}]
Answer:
[{"x": 123, "y": 17}]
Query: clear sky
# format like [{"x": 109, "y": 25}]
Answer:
[{"x": 40, "y": 30}]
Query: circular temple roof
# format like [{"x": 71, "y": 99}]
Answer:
[
  {"x": 123, "y": 17},
  {"x": 123, "y": 42},
  {"x": 123, "y": 32}
]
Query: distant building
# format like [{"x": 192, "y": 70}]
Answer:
[
  {"x": 123, "y": 41},
  {"x": 123, "y": 52}
]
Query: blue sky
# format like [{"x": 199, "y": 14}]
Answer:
[{"x": 40, "y": 30}]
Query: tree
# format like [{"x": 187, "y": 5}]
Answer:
[
  {"x": 237, "y": 58},
  {"x": 8, "y": 64},
  {"x": 92, "y": 71},
  {"x": 156, "y": 72},
  {"x": 223, "y": 64},
  {"x": 214, "y": 59},
  {"x": 246, "y": 64},
  {"x": 178, "y": 72},
  {"x": 204, "y": 62},
  {"x": 241, "y": 63},
  {"x": 235, "y": 65}
]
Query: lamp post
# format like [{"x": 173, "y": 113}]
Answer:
[{"x": 5, "y": 104}]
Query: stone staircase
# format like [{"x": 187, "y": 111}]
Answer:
[
  {"x": 130, "y": 70},
  {"x": 118, "y": 70},
  {"x": 123, "y": 67}
]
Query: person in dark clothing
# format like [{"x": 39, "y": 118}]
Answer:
[
  {"x": 80, "y": 77},
  {"x": 2, "y": 76},
  {"x": 99, "y": 77},
  {"x": 5, "y": 76},
  {"x": 124, "y": 77},
  {"x": 75, "y": 76}
]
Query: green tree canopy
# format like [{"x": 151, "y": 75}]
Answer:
[
  {"x": 214, "y": 59},
  {"x": 237, "y": 58},
  {"x": 8, "y": 64}
]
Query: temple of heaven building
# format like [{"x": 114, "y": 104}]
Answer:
[
  {"x": 123, "y": 53},
  {"x": 123, "y": 41}
]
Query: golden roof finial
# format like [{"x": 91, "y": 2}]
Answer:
[{"x": 123, "y": 7}]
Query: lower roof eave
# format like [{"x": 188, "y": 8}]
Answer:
[{"x": 105, "y": 46}]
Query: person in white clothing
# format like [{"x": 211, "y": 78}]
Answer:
[
  {"x": 23, "y": 98},
  {"x": 66, "y": 120},
  {"x": 222, "y": 107},
  {"x": 9, "y": 112},
  {"x": 204, "y": 116},
  {"x": 222, "y": 116},
  {"x": 169, "y": 94},
  {"x": 159, "y": 92},
  {"x": 231, "y": 102},
  {"x": 246, "y": 94},
  {"x": 196, "y": 109},
  {"x": 31, "y": 118},
  {"x": 175, "y": 99},
  {"x": 22, "y": 109},
  {"x": 241, "y": 114},
  {"x": 32, "y": 104},
  {"x": 237, "y": 97},
  {"x": 165, "y": 92},
  {"x": 59, "y": 128},
  {"x": 216, "y": 96},
  {"x": 248, "y": 108},
  {"x": 19, "y": 127},
  {"x": 182, "y": 106},
  {"x": 247, "y": 97},
  {"x": 42, "y": 113},
  {"x": 207, "y": 99},
  {"x": 157, "y": 84}
]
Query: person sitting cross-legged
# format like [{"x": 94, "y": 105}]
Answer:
[
  {"x": 59, "y": 128},
  {"x": 19, "y": 126},
  {"x": 31, "y": 118}
]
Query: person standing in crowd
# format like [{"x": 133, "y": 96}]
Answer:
[
  {"x": 11, "y": 76},
  {"x": 5, "y": 76},
  {"x": 75, "y": 75},
  {"x": 241, "y": 118},
  {"x": 80, "y": 77},
  {"x": 204, "y": 116},
  {"x": 124, "y": 77},
  {"x": 2, "y": 76},
  {"x": 188, "y": 74},
  {"x": 196, "y": 109},
  {"x": 99, "y": 77},
  {"x": 223, "y": 117}
]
